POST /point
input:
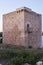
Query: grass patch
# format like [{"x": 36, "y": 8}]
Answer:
[{"x": 21, "y": 56}]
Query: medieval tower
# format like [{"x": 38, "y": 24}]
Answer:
[{"x": 22, "y": 27}]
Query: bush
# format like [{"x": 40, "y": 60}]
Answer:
[
  {"x": 26, "y": 57},
  {"x": 18, "y": 57},
  {"x": 16, "y": 61}
]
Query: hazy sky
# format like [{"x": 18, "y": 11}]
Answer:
[{"x": 11, "y": 5}]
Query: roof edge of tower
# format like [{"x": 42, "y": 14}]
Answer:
[
  {"x": 27, "y": 10},
  {"x": 23, "y": 8}
]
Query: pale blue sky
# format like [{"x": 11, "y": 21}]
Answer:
[{"x": 11, "y": 5}]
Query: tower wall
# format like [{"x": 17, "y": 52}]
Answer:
[
  {"x": 13, "y": 28},
  {"x": 22, "y": 27},
  {"x": 33, "y": 38}
]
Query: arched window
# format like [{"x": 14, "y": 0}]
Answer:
[
  {"x": 27, "y": 25},
  {"x": 29, "y": 29}
]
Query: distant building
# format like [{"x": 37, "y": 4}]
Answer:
[{"x": 22, "y": 27}]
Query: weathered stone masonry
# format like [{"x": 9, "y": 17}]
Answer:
[{"x": 22, "y": 27}]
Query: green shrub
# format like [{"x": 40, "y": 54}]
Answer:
[
  {"x": 18, "y": 57},
  {"x": 16, "y": 61}
]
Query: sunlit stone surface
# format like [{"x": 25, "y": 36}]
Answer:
[{"x": 22, "y": 27}]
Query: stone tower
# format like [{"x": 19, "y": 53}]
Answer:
[{"x": 22, "y": 27}]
